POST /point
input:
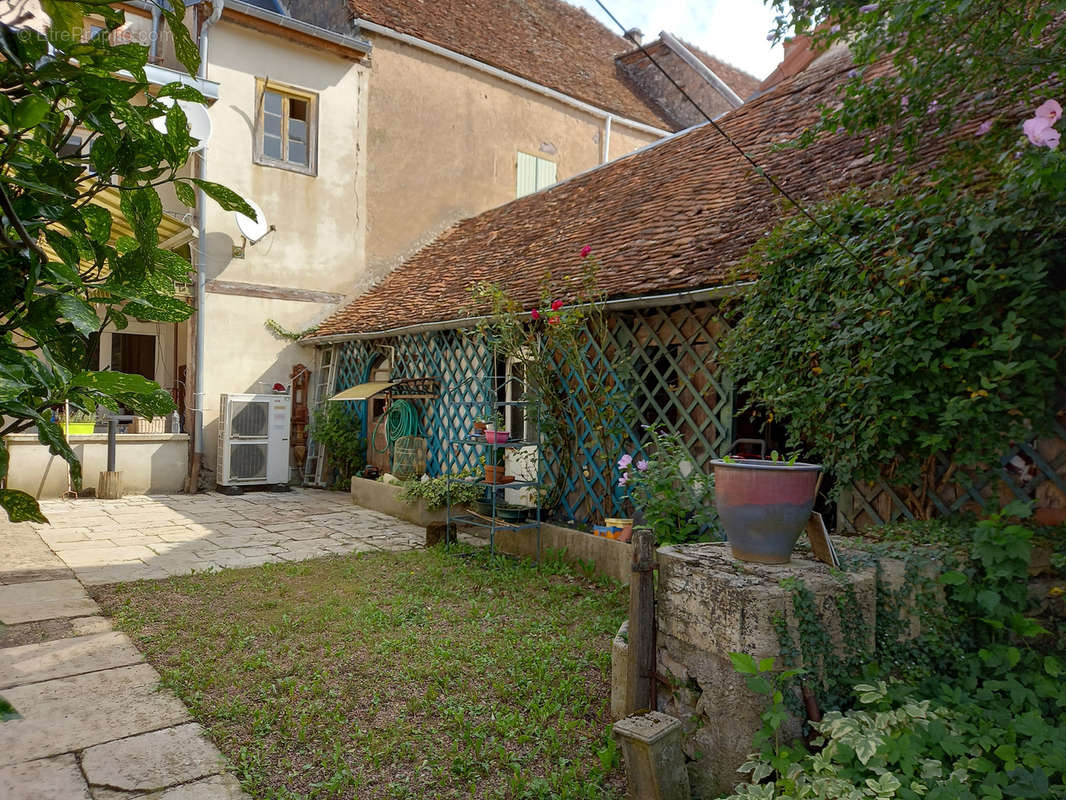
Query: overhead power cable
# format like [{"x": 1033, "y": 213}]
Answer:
[{"x": 759, "y": 170}]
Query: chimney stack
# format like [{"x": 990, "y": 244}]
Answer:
[{"x": 635, "y": 35}]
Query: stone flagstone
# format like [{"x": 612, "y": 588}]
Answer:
[
  {"x": 67, "y": 714},
  {"x": 45, "y": 779},
  {"x": 152, "y": 760},
  {"x": 65, "y": 657},
  {"x": 25, "y": 602}
]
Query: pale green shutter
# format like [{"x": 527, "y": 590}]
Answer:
[
  {"x": 527, "y": 174},
  {"x": 545, "y": 173}
]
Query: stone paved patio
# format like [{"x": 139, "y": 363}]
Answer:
[
  {"x": 108, "y": 541},
  {"x": 94, "y": 724}
]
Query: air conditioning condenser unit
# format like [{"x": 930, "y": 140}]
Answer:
[{"x": 253, "y": 440}]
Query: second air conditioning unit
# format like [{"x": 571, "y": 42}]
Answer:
[{"x": 253, "y": 439}]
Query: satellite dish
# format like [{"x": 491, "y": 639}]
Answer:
[
  {"x": 196, "y": 115},
  {"x": 252, "y": 229}
]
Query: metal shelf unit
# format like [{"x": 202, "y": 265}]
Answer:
[{"x": 493, "y": 491}]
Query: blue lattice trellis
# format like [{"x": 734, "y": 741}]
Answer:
[{"x": 672, "y": 379}]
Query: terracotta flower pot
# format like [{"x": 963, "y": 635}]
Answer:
[
  {"x": 764, "y": 506},
  {"x": 479, "y": 429},
  {"x": 493, "y": 474}
]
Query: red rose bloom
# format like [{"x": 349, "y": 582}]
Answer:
[{"x": 556, "y": 305}]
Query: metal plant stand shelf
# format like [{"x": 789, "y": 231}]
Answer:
[{"x": 493, "y": 491}]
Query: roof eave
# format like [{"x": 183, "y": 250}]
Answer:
[
  {"x": 353, "y": 44},
  {"x": 686, "y": 297}
]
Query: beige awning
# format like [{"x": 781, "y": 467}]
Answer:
[
  {"x": 399, "y": 389},
  {"x": 363, "y": 391},
  {"x": 173, "y": 233}
]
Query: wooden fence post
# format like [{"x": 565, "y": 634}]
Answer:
[{"x": 640, "y": 672}]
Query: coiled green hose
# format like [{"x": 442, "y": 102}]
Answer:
[{"x": 400, "y": 420}]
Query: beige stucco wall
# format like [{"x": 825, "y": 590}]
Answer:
[
  {"x": 150, "y": 463},
  {"x": 319, "y": 238},
  {"x": 318, "y": 244},
  {"x": 443, "y": 140}
]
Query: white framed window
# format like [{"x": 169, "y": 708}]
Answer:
[
  {"x": 534, "y": 173},
  {"x": 286, "y": 128}
]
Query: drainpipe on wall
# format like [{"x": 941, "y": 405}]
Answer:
[
  {"x": 201, "y": 276},
  {"x": 153, "y": 45},
  {"x": 606, "y": 140}
]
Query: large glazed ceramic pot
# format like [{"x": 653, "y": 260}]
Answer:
[{"x": 764, "y": 506}]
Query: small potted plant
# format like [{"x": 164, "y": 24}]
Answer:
[
  {"x": 764, "y": 504},
  {"x": 78, "y": 423},
  {"x": 481, "y": 422},
  {"x": 494, "y": 465}
]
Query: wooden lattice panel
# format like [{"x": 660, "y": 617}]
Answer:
[{"x": 1034, "y": 470}]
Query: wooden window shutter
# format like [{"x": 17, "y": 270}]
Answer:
[{"x": 527, "y": 174}]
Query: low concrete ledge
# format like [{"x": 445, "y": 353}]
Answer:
[
  {"x": 151, "y": 463},
  {"x": 611, "y": 558},
  {"x": 385, "y": 497}
]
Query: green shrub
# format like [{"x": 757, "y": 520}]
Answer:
[
  {"x": 943, "y": 336},
  {"x": 435, "y": 491},
  {"x": 339, "y": 430},
  {"x": 986, "y": 720}
]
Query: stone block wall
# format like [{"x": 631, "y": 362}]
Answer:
[{"x": 708, "y": 604}]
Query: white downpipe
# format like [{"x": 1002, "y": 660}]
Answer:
[
  {"x": 606, "y": 140},
  {"x": 201, "y": 256},
  {"x": 502, "y": 75}
]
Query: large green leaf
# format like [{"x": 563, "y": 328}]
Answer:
[
  {"x": 97, "y": 222},
  {"x": 184, "y": 47},
  {"x": 158, "y": 308},
  {"x": 20, "y": 507},
  {"x": 144, "y": 211},
  {"x": 182, "y": 91},
  {"x": 185, "y": 193},
  {"x": 140, "y": 395},
  {"x": 51, "y": 434},
  {"x": 7, "y": 711},
  {"x": 66, "y": 26},
  {"x": 227, "y": 198},
  {"x": 79, "y": 313},
  {"x": 30, "y": 111}
]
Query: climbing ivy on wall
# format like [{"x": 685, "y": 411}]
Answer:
[{"x": 943, "y": 336}]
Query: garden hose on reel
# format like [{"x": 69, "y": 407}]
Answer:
[{"x": 402, "y": 439}]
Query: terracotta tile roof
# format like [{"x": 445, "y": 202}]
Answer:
[
  {"x": 546, "y": 41},
  {"x": 675, "y": 216}
]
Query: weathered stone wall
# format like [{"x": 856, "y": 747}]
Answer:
[{"x": 708, "y": 605}]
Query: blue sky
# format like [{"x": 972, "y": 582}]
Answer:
[{"x": 732, "y": 30}]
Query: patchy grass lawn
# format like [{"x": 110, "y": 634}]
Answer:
[{"x": 391, "y": 675}]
